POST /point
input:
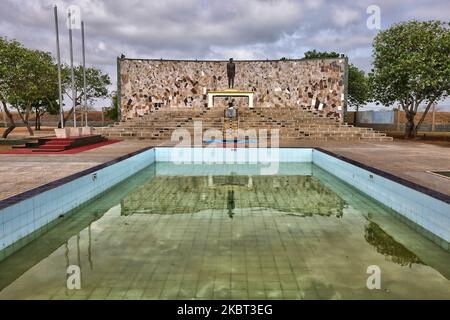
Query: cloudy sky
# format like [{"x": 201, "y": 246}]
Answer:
[{"x": 210, "y": 29}]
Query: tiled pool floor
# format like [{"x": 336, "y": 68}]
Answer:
[{"x": 229, "y": 237}]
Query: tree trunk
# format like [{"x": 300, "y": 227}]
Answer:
[
  {"x": 355, "y": 121},
  {"x": 69, "y": 114},
  {"x": 36, "y": 120},
  {"x": 39, "y": 116},
  {"x": 65, "y": 118},
  {"x": 416, "y": 128},
  {"x": 27, "y": 123},
  {"x": 25, "y": 119},
  {"x": 11, "y": 125},
  {"x": 8, "y": 131},
  {"x": 410, "y": 131},
  {"x": 30, "y": 131}
]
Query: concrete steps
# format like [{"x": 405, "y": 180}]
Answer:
[{"x": 292, "y": 122}]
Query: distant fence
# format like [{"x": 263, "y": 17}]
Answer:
[
  {"x": 95, "y": 119},
  {"x": 382, "y": 117},
  {"x": 69, "y": 123},
  {"x": 394, "y": 120}
]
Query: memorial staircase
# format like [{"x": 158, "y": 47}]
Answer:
[
  {"x": 230, "y": 127},
  {"x": 159, "y": 124},
  {"x": 298, "y": 123}
]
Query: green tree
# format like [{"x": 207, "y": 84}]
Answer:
[
  {"x": 43, "y": 106},
  {"x": 113, "y": 111},
  {"x": 313, "y": 54},
  {"x": 9, "y": 56},
  {"x": 96, "y": 85},
  {"x": 359, "y": 91},
  {"x": 26, "y": 76},
  {"x": 412, "y": 67},
  {"x": 47, "y": 99}
]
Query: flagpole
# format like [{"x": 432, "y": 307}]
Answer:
[
  {"x": 84, "y": 71},
  {"x": 72, "y": 74},
  {"x": 58, "y": 56}
]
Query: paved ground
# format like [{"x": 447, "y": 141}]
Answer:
[
  {"x": 24, "y": 172},
  {"x": 409, "y": 160}
]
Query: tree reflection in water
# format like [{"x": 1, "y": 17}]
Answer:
[
  {"x": 302, "y": 196},
  {"x": 387, "y": 246}
]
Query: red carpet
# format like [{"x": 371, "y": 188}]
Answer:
[{"x": 69, "y": 151}]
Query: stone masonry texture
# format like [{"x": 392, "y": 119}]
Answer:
[{"x": 315, "y": 83}]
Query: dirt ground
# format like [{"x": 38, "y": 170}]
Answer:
[{"x": 23, "y": 132}]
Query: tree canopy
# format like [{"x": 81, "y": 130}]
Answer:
[
  {"x": 29, "y": 83},
  {"x": 26, "y": 77},
  {"x": 313, "y": 54},
  {"x": 411, "y": 67},
  {"x": 359, "y": 91},
  {"x": 113, "y": 111},
  {"x": 96, "y": 85}
]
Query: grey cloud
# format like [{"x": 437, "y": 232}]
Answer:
[{"x": 212, "y": 29}]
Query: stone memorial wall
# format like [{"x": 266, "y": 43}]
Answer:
[{"x": 315, "y": 83}]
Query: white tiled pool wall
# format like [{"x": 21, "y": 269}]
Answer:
[
  {"x": 230, "y": 155},
  {"x": 286, "y": 169},
  {"x": 426, "y": 214},
  {"x": 21, "y": 219}
]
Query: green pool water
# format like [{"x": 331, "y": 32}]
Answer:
[{"x": 225, "y": 232}]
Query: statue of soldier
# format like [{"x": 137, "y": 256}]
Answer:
[{"x": 231, "y": 71}]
